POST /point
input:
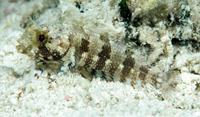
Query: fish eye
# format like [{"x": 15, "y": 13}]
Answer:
[{"x": 41, "y": 37}]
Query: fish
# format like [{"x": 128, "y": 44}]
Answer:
[{"x": 85, "y": 52}]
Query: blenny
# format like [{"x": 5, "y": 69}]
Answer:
[{"x": 94, "y": 53}]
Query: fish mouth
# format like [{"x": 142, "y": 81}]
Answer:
[{"x": 24, "y": 50}]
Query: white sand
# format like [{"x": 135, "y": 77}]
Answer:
[{"x": 23, "y": 94}]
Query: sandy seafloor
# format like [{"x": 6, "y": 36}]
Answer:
[{"x": 22, "y": 94}]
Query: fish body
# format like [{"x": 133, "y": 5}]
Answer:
[{"x": 96, "y": 54}]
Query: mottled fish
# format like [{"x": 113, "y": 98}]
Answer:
[{"x": 95, "y": 54}]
